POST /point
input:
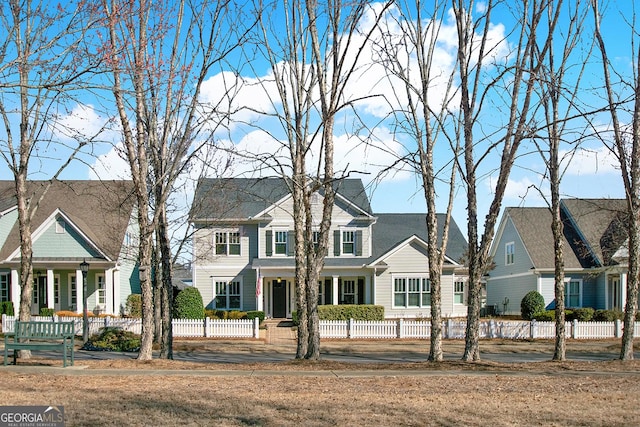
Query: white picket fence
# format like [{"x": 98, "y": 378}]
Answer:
[
  {"x": 229, "y": 328},
  {"x": 456, "y": 329},
  {"x": 385, "y": 329}
]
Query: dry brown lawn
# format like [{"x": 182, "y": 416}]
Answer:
[{"x": 452, "y": 393}]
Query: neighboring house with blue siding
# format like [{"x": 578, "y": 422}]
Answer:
[
  {"x": 595, "y": 248},
  {"x": 244, "y": 247},
  {"x": 76, "y": 221}
]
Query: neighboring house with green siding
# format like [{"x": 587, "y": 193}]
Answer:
[
  {"x": 76, "y": 221},
  {"x": 595, "y": 247},
  {"x": 244, "y": 251}
]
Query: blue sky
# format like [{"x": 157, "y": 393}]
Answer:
[{"x": 592, "y": 172}]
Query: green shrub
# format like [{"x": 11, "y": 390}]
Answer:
[
  {"x": 44, "y": 311},
  {"x": 584, "y": 314},
  {"x": 114, "y": 339},
  {"x": 6, "y": 307},
  {"x": 253, "y": 314},
  {"x": 532, "y": 303},
  {"x": 608, "y": 315},
  {"x": 545, "y": 316},
  {"x": 188, "y": 304},
  {"x": 346, "y": 312},
  {"x": 569, "y": 315},
  {"x": 133, "y": 306}
]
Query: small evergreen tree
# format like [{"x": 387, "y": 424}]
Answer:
[
  {"x": 532, "y": 303},
  {"x": 188, "y": 304}
]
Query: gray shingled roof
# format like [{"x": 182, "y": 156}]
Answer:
[
  {"x": 601, "y": 223},
  {"x": 392, "y": 229},
  {"x": 593, "y": 231},
  {"x": 101, "y": 209},
  {"x": 244, "y": 198},
  {"x": 534, "y": 227}
]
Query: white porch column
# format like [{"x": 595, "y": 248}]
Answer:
[
  {"x": 623, "y": 290},
  {"x": 79, "y": 290},
  {"x": 108, "y": 290},
  {"x": 259, "y": 291},
  {"x": 50, "y": 290},
  {"x": 116, "y": 296},
  {"x": 15, "y": 291},
  {"x": 367, "y": 289},
  {"x": 335, "y": 291}
]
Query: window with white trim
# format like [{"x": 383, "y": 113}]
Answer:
[
  {"x": 348, "y": 291},
  {"x": 348, "y": 242},
  {"x": 280, "y": 242},
  {"x": 411, "y": 291},
  {"x": 458, "y": 292},
  {"x": 572, "y": 293},
  {"x": 227, "y": 242},
  {"x": 101, "y": 289},
  {"x": 228, "y": 294},
  {"x": 509, "y": 253},
  {"x": 56, "y": 290},
  {"x": 4, "y": 287},
  {"x": 73, "y": 290}
]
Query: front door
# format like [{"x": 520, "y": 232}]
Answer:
[
  {"x": 279, "y": 299},
  {"x": 39, "y": 295}
]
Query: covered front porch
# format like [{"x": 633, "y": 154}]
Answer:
[
  {"x": 278, "y": 298},
  {"x": 58, "y": 286}
]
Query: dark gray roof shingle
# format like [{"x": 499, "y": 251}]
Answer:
[{"x": 101, "y": 210}]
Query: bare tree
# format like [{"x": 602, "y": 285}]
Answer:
[
  {"x": 558, "y": 98},
  {"x": 160, "y": 53},
  {"x": 421, "y": 111},
  {"x": 43, "y": 63},
  {"x": 313, "y": 51},
  {"x": 626, "y": 146},
  {"x": 481, "y": 74}
]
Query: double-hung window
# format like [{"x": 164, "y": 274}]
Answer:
[
  {"x": 572, "y": 293},
  {"x": 348, "y": 291},
  {"x": 509, "y": 253},
  {"x": 412, "y": 291},
  {"x": 227, "y": 242},
  {"x": 348, "y": 242},
  {"x": 228, "y": 294},
  {"x": 102, "y": 289},
  {"x": 458, "y": 292},
  {"x": 280, "y": 247},
  {"x": 4, "y": 287},
  {"x": 73, "y": 290}
]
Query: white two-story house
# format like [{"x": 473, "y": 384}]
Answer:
[{"x": 244, "y": 260}]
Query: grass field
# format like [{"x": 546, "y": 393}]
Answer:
[{"x": 324, "y": 393}]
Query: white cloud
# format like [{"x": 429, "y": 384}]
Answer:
[
  {"x": 590, "y": 161},
  {"x": 111, "y": 165}
]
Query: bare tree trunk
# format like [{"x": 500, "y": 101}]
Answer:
[
  {"x": 166, "y": 285},
  {"x": 627, "y": 149}
]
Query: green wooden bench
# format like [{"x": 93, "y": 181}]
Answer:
[{"x": 41, "y": 336}]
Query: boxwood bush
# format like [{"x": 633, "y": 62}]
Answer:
[
  {"x": 584, "y": 314},
  {"x": 188, "y": 304},
  {"x": 532, "y": 303},
  {"x": 608, "y": 315},
  {"x": 545, "y": 316},
  {"x": 113, "y": 339},
  {"x": 347, "y": 311}
]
